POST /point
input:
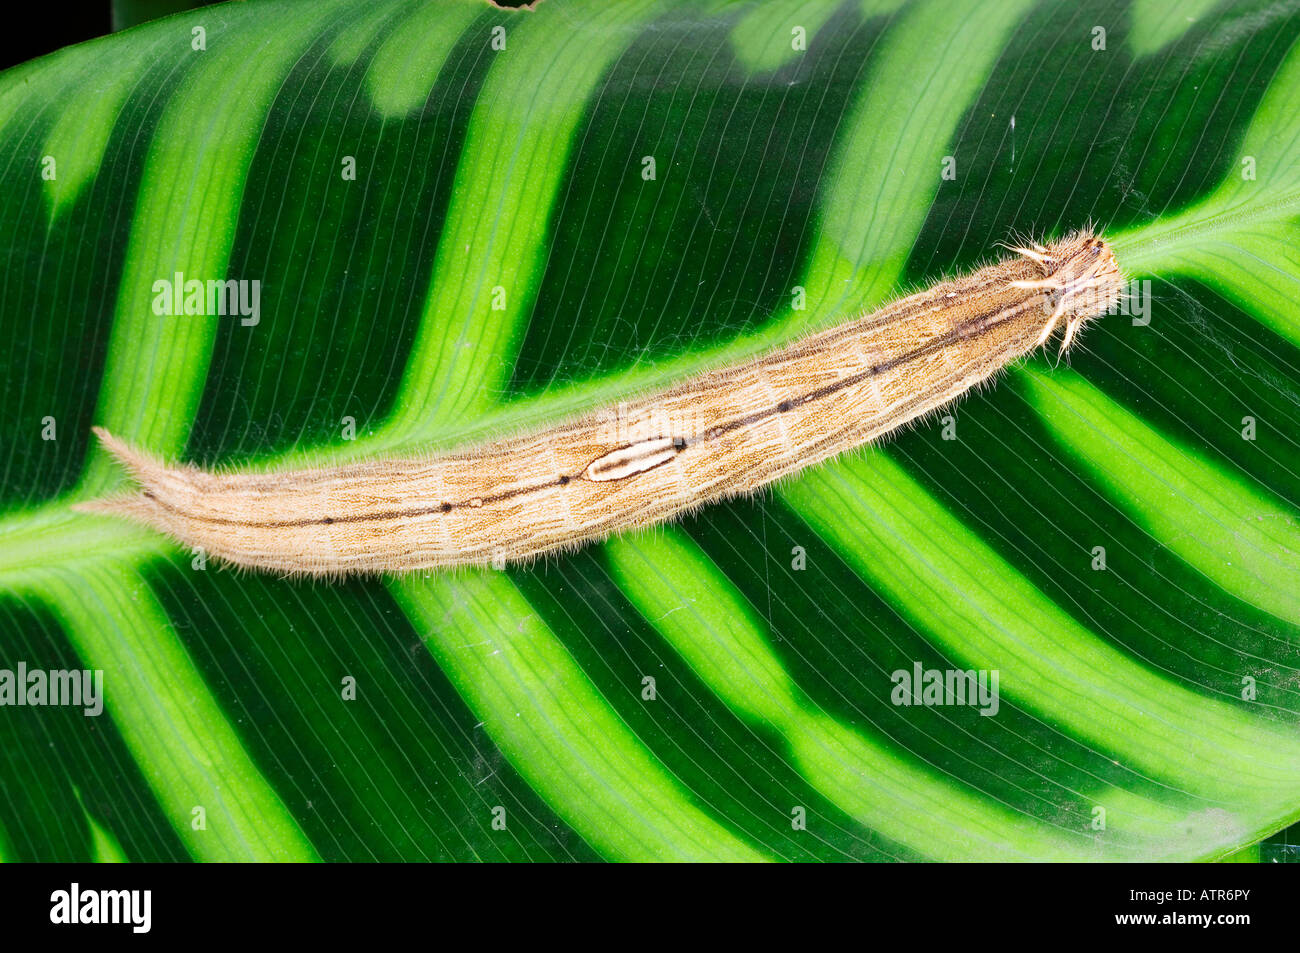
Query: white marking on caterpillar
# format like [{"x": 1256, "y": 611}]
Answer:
[
  {"x": 633, "y": 459},
  {"x": 726, "y": 432}
]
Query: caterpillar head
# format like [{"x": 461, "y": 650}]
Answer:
[{"x": 1081, "y": 281}]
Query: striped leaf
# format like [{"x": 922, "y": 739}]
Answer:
[{"x": 465, "y": 221}]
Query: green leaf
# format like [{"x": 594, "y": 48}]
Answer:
[{"x": 561, "y": 207}]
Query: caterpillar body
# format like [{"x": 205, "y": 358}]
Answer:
[{"x": 726, "y": 432}]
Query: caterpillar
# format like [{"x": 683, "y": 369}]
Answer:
[{"x": 725, "y": 432}]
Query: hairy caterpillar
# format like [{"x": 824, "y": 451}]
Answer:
[{"x": 722, "y": 433}]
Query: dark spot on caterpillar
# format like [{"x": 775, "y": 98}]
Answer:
[
  {"x": 564, "y": 479},
  {"x": 785, "y": 406},
  {"x": 328, "y": 520},
  {"x": 446, "y": 508}
]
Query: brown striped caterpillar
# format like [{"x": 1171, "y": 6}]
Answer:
[{"x": 725, "y": 432}]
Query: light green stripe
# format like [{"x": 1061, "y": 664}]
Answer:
[
  {"x": 77, "y": 141},
  {"x": 888, "y": 159},
  {"x": 1244, "y": 540},
  {"x": 1241, "y": 240},
  {"x": 516, "y": 155},
  {"x": 975, "y": 605},
  {"x": 53, "y": 535},
  {"x": 1176, "y": 827},
  {"x": 711, "y": 625},
  {"x": 763, "y": 39},
  {"x": 550, "y": 721},
  {"x": 1256, "y": 266},
  {"x": 80, "y": 135},
  {"x": 170, "y": 722},
  {"x": 104, "y": 847},
  {"x": 185, "y": 219},
  {"x": 1156, "y": 24},
  {"x": 350, "y": 44},
  {"x": 31, "y": 82},
  {"x": 404, "y": 70}
]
